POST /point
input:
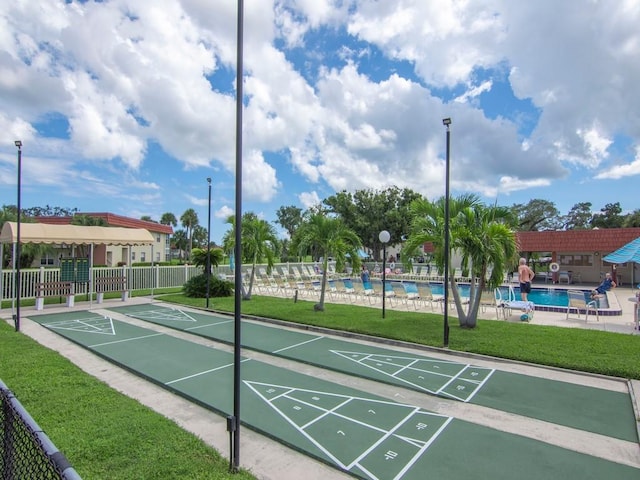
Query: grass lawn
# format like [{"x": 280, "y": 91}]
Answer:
[
  {"x": 592, "y": 351},
  {"x": 103, "y": 433}
]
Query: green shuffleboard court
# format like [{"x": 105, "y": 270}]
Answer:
[
  {"x": 365, "y": 435},
  {"x": 586, "y": 408}
]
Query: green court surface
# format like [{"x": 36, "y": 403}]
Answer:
[
  {"x": 367, "y": 436},
  {"x": 586, "y": 408}
]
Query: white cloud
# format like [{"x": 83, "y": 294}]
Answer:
[
  {"x": 309, "y": 199},
  {"x": 224, "y": 212},
  {"x": 621, "y": 171}
]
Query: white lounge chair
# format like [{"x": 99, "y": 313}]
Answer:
[{"x": 579, "y": 303}]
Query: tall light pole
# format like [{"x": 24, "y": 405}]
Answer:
[
  {"x": 209, "y": 243},
  {"x": 384, "y": 237},
  {"x": 18, "y": 252},
  {"x": 447, "y": 123}
]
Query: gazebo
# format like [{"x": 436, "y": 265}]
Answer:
[{"x": 72, "y": 235}]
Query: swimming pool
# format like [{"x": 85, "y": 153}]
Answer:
[{"x": 545, "y": 296}]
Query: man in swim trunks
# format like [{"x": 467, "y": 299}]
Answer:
[{"x": 526, "y": 276}]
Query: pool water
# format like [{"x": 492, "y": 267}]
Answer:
[{"x": 540, "y": 296}]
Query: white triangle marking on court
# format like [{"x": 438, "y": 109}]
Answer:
[
  {"x": 282, "y": 391},
  {"x": 102, "y": 326},
  {"x": 361, "y": 357},
  {"x": 173, "y": 314}
]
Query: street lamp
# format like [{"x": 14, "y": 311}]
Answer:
[
  {"x": 18, "y": 143},
  {"x": 384, "y": 237},
  {"x": 209, "y": 243},
  {"x": 447, "y": 123}
]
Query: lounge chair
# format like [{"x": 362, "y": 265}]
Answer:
[
  {"x": 510, "y": 303},
  {"x": 579, "y": 303},
  {"x": 564, "y": 276}
]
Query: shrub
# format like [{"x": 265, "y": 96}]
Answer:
[{"x": 196, "y": 287}]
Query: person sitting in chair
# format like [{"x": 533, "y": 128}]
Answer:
[{"x": 606, "y": 285}]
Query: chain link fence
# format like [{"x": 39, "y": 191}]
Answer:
[{"x": 25, "y": 450}]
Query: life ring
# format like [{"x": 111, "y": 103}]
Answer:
[{"x": 554, "y": 267}]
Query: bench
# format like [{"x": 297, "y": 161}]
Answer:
[
  {"x": 54, "y": 289},
  {"x": 111, "y": 284}
]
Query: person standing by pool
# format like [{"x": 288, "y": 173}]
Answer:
[
  {"x": 364, "y": 276},
  {"x": 526, "y": 276},
  {"x": 606, "y": 285}
]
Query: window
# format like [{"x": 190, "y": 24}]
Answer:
[
  {"x": 143, "y": 256},
  {"x": 157, "y": 256},
  {"x": 576, "y": 260},
  {"x": 158, "y": 238},
  {"x": 133, "y": 256}
]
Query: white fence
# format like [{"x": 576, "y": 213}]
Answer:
[{"x": 138, "y": 278}]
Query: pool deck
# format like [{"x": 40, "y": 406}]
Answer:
[{"x": 617, "y": 318}]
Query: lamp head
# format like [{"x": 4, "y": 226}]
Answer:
[
  {"x": 446, "y": 121},
  {"x": 384, "y": 236},
  {"x": 209, "y": 180},
  {"x": 18, "y": 143}
]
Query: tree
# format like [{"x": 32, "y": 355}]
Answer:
[
  {"x": 147, "y": 218},
  {"x": 480, "y": 234},
  {"x": 189, "y": 220},
  {"x": 200, "y": 236},
  {"x": 632, "y": 219},
  {"x": 259, "y": 243},
  {"x": 199, "y": 257},
  {"x": 169, "y": 218},
  {"x": 537, "y": 215},
  {"x": 289, "y": 218},
  {"x": 330, "y": 238},
  {"x": 368, "y": 212},
  {"x": 180, "y": 242},
  {"x": 610, "y": 217},
  {"x": 579, "y": 217}
]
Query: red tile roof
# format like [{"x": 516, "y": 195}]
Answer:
[
  {"x": 113, "y": 220},
  {"x": 604, "y": 240}
]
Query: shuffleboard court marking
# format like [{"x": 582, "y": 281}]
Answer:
[
  {"x": 298, "y": 344},
  {"x": 124, "y": 340},
  {"x": 164, "y": 313},
  {"x": 315, "y": 414},
  {"x": 204, "y": 372},
  {"x": 462, "y": 387},
  {"x": 461, "y": 382},
  {"x": 100, "y": 325}
]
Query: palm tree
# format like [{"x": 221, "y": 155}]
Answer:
[
  {"x": 478, "y": 233},
  {"x": 180, "y": 241},
  {"x": 259, "y": 242},
  {"x": 189, "y": 220},
  {"x": 328, "y": 237},
  {"x": 199, "y": 256},
  {"x": 169, "y": 218}
]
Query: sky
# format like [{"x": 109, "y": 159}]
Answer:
[{"x": 128, "y": 106}]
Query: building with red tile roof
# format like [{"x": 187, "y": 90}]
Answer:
[
  {"x": 580, "y": 252},
  {"x": 114, "y": 255}
]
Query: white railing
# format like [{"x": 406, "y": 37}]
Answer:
[{"x": 138, "y": 278}]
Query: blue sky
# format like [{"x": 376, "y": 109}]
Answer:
[{"x": 127, "y": 106}]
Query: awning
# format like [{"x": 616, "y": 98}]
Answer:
[
  {"x": 627, "y": 253},
  {"x": 74, "y": 234}
]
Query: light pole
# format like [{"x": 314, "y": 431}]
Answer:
[
  {"x": 209, "y": 243},
  {"x": 18, "y": 143},
  {"x": 447, "y": 123},
  {"x": 384, "y": 237}
]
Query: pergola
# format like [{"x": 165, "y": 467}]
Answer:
[{"x": 72, "y": 235}]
